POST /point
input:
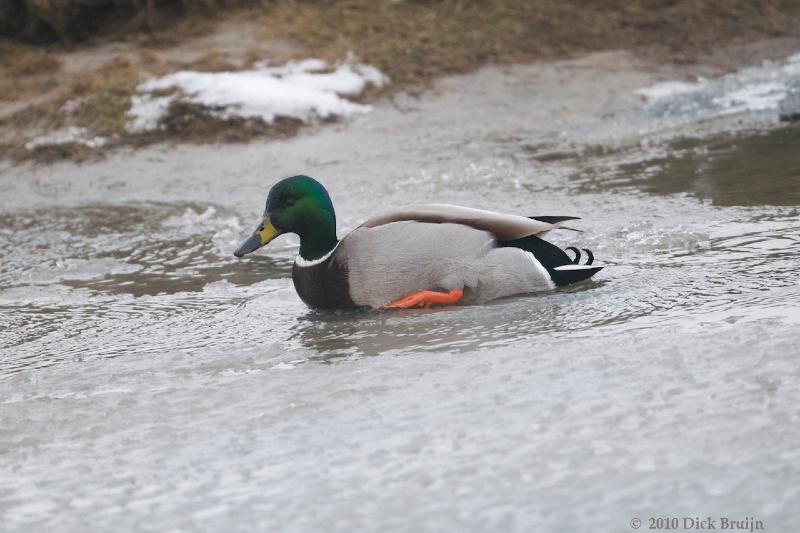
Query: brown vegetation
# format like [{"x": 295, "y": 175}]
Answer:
[
  {"x": 417, "y": 40},
  {"x": 413, "y": 41}
]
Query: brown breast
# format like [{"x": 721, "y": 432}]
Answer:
[{"x": 323, "y": 286}]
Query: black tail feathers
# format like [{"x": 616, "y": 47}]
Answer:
[
  {"x": 577, "y": 260},
  {"x": 563, "y": 270},
  {"x": 556, "y": 220}
]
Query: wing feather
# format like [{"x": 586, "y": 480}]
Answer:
[{"x": 503, "y": 226}]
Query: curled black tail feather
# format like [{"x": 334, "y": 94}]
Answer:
[
  {"x": 577, "y": 259},
  {"x": 552, "y": 257}
]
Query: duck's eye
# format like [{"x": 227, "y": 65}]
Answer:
[{"x": 289, "y": 201}]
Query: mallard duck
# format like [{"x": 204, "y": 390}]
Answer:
[{"x": 414, "y": 257}]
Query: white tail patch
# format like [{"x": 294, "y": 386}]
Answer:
[
  {"x": 540, "y": 269},
  {"x": 575, "y": 267}
]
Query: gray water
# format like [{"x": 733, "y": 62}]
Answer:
[{"x": 150, "y": 381}]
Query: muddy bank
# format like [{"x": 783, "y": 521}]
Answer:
[{"x": 87, "y": 87}]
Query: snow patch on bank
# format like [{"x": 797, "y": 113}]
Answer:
[
  {"x": 146, "y": 111},
  {"x": 72, "y": 134},
  {"x": 304, "y": 90}
]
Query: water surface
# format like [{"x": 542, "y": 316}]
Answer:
[{"x": 150, "y": 381}]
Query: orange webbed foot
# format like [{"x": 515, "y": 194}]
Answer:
[{"x": 426, "y": 299}]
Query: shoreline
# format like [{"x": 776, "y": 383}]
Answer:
[
  {"x": 86, "y": 90},
  {"x": 552, "y": 114}
]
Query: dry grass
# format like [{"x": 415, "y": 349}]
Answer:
[
  {"x": 105, "y": 98},
  {"x": 101, "y": 101},
  {"x": 26, "y": 60},
  {"x": 25, "y": 69},
  {"x": 413, "y": 41},
  {"x": 191, "y": 122},
  {"x": 50, "y": 153}
]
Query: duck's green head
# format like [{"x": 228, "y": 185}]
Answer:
[{"x": 300, "y": 205}]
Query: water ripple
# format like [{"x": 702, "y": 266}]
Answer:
[{"x": 158, "y": 278}]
